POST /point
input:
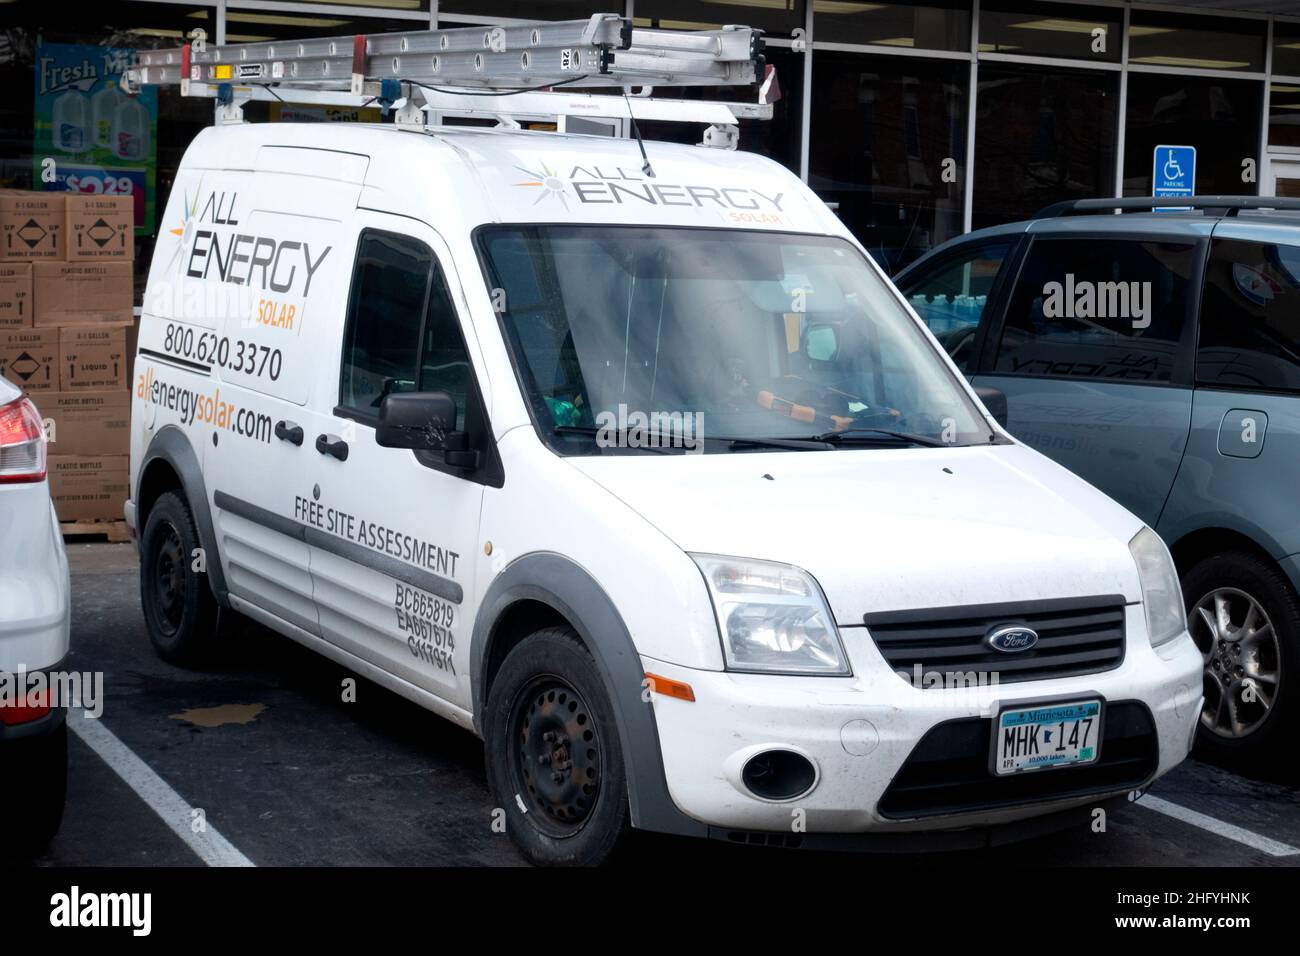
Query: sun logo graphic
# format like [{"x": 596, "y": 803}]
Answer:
[
  {"x": 548, "y": 180},
  {"x": 185, "y": 231}
]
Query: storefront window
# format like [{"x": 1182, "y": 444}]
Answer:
[
  {"x": 1286, "y": 48},
  {"x": 65, "y": 125},
  {"x": 524, "y": 9},
  {"x": 1042, "y": 135},
  {"x": 776, "y": 17},
  {"x": 926, "y": 25},
  {"x": 888, "y": 146},
  {"x": 1284, "y": 115},
  {"x": 1040, "y": 29},
  {"x": 1199, "y": 43},
  {"x": 1219, "y": 117}
]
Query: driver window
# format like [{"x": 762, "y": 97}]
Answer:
[
  {"x": 951, "y": 297},
  {"x": 381, "y": 345}
]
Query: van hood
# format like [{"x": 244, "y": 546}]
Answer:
[{"x": 891, "y": 529}]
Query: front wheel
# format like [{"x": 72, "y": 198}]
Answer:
[
  {"x": 1245, "y": 617},
  {"x": 179, "y": 608},
  {"x": 554, "y": 762}
]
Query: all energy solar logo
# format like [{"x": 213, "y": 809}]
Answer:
[{"x": 549, "y": 182}]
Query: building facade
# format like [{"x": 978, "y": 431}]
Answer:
[{"x": 915, "y": 120}]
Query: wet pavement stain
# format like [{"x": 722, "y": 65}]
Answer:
[{"x": 220, "y": 716}]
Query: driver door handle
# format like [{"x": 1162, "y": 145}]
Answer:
[
  {"x": 332, "y": 445},
  {"x": 289, "y": 431}
]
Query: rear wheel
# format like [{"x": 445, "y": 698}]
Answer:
[
  {"x": 553, "y": 756},
  {"x": 1245, "y": 618},
  {"x": 179, "y": 608}
]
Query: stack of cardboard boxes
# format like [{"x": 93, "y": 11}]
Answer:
[{"x": 65, "y": 322}]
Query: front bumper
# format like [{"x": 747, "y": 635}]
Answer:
[{"x": 859, "y": 731}]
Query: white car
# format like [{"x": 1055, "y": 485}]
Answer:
[
  {"x": 35, "y": 615},
  {"x": 654, "y": 482}
]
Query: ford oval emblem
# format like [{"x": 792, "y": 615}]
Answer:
[{"x": 1011, "y": 638}]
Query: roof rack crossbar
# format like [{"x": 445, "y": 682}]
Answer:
[{"x": 1220, "y": 205}]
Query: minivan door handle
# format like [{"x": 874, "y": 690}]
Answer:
[
  {"x": 289, "y": 431},
  {"x": 332, "y": 445}
]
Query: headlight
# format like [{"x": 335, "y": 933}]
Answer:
[
  {"x": 772, "y": 616},
  {"x": 1162, "y": 597}
]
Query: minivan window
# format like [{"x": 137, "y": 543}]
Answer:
[
  {"x": 950, "y": 297},
  {"x": 748, "y": 334},
  {"x": 381, "y": 345},
  {"x": 1098, "y": 307},
  {"x": 1250, "y": 317}
]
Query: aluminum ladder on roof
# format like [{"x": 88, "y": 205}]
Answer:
[{"x": 505, "y": 72}]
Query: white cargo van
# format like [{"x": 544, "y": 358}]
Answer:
[{"x": 639, "y": 468}]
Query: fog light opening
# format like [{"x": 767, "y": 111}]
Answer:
[{"x": 778, "y": 775}]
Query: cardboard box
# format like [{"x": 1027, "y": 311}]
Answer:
[
  {"x": 99, "y": 227},
  {"x": 15, "y": 295},
  {"x": 87, "y": 423},
  {"x": 81, "y": 293},
  {"x": 92, "y": 357},
  {"x": 88, "y": 488},
  {"x": 32, "y": 224},
  {"x": 30, "y": 358}
]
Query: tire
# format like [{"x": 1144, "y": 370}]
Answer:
[
  {"x": 1245, "y": 733},
  {"x": 180, "y": 612},
  {"x": 554, "y": 762},
  {"x": 31, "y": 802}
]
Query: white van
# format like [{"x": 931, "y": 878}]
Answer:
[{"x": 654, "y": 482}]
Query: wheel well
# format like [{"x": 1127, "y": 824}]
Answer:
[
  {"x": 515, "y": 623},
  {"x": 1207, "y": 541},
  {"x": 159, "y": 478}
]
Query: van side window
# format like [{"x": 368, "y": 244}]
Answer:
[
  {"x": 381, "y": 345},
  {"x": 950, "y": 298},
  {"x": 1111, "y": 309},
  {"x": 444, "y": 363},
  {"x": 1250, "y": 317}
]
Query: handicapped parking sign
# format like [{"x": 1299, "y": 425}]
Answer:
[{"x": 1173, "y": 173}]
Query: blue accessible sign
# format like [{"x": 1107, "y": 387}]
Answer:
[{"x": 1173, "y": 173}]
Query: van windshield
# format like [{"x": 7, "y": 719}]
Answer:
[{"x": 628, "y": 338}]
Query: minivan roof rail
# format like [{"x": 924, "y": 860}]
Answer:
[
  {"x": 504, "y": 71},
  {"x": 1212, "y": 205}
]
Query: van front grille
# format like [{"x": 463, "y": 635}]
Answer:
[{"x": 1075, "y": 636}]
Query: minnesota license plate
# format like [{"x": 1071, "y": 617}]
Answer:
[{"x": 1046, "y": 737}]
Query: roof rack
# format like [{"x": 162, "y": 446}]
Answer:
[
  {"x": 499, "y": 71},
  {"x": 1211, "y": 205}
]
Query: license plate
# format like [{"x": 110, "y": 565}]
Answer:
[{"x": 1046, "y": 737}]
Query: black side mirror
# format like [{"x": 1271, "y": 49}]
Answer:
[
  {"x": 424, "y": 421},
  {"x": 995, "y": 400}
]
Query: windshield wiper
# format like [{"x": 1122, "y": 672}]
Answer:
[
  {"x": 591, "y": 431},
  {"x": 795, "y": 444},
  {"x": 864, "y": 436}
]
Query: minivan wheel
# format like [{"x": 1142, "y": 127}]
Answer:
[
  {"x": 1245, "y": 617},
  {"x": 553, "y": 757},
  {"x": 179, "y": 609}
]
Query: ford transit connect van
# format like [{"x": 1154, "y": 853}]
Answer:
[{"x": 649, "y": 478}]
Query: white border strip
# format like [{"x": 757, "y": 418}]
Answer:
[
  {"x": 210, "y": 846},
  {"x": 1226, "y": 830}
]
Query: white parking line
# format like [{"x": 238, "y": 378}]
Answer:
[
  {"x": 1226, "y": 830},
  {"x": 210, "y": 846}
]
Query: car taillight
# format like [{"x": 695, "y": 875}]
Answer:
[
  {"x": 32, "y": 707},
  {"x": 22, "y": 443}
]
